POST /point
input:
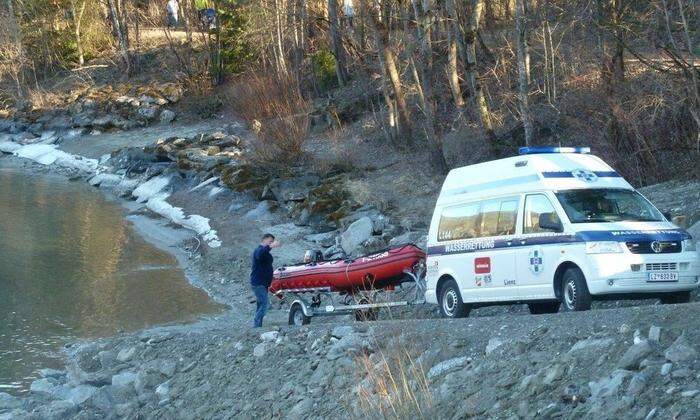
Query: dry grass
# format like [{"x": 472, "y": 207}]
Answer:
[
  {"x": 278, "y": 114},
  {"x": 395, "y": 387}
]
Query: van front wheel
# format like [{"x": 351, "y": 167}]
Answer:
[
  {"x": 575, "y": 295},
  {"x": 451, "y": 304}
]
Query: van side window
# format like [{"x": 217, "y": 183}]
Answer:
[
  {"x": 535, "y": 205},
  {"x": 459, "y": 222},
  {"x": 507, "y": 217},
  {"x": 479, "y": 220}
]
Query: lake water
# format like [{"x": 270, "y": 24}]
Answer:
[{"x": 71, "y": 267}]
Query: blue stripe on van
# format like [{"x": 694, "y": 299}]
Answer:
[
  {"x": 570, "y": 174},
  {"x": 487, "y": 244}
]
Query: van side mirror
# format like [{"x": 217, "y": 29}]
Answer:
[{"x": 550, "y": 221}]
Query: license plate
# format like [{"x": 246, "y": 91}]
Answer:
[{"x": 663, "y": 276}]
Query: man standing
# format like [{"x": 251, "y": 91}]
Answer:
[{"x": 261, "y": 275}]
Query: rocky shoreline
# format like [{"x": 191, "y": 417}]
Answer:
[{"x": 632, "y": 362}]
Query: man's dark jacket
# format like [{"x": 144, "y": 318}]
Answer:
[{"x": 261, "y": 273}]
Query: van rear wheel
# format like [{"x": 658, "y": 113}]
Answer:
[
  {"x": 574, "y": 294},
  {"x": 544, "y": 307},
  {"x": 451, "y": 304}
]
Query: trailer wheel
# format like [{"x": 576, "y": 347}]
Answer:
[
  {"x": 297, "y": 316},
  {"x": 451, "y": 304},
  {"x": 366, "y": 314}
]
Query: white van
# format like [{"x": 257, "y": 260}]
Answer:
[{"x": 551, "y": 226}]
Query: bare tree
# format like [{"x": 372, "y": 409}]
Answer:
[
  {"x": 77, "y": 12},
  {"x": 476, "y": 90},
  {"x": 523, "y": 69},
  {"x": 115, "y": 9},
  {"x": 453, "y": 39},
  {"x": 337, "y": 43}
]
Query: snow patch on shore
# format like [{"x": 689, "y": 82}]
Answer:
[
  {"x": 150, "y": 188},
  {"x": 48, "y": 154},
  {"x": 195, "y": 222}
]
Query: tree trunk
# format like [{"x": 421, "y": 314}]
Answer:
[
  {"x": 18, "y": 70},
  {"x": 120, "y": 31},
  {"x": 337, "y": 43},
  {"x": 476, "y": 90},
  {"x": 424, "y": 80},
  {"x": 390, "y": 74},
  {"x": 523, "y": 69},
  {"x": 279, "y": 50},
  {"x": 613, "y": 66},
  {"x": 77, "y": 21}
]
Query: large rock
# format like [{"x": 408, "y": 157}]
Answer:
[
  {"x": 124, "y": 379},
  {"x": 126, "y": 354},
  {"x": 351, "y": 344},
  {"x": 680, "y": 351},
  {"x": 8, "y": 402},
  {"x": 80, "y": 394},
  {"x": 147, "y": 113},
  {"x": 448, "y": 366},
  {"x": 634, "y": 355},
  {"x": 610, "y": 385},
  {"x": 356, "y": 234},
  {"x": 167, "y": 116},
  {"x": 293, "y": 189}
]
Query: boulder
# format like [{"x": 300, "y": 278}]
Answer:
[
  {"x": 147, "y": 113},
  {"x": 351, "y": 344},
  {"x": 260, "y": 350},
  {"x": 634, "y": 355},
  {"x": 80, "y": 394},
  {"x": 126, "y": 354},
  {"x": 610, "y": 385},
  {"x": 447, "y": 366},
  {"x": 325, "y": 239},
  {"x": 269, "y": 336},
  {"x": 293, "y": 189},
  {"x": 680, "y": 351},
  {"x": 342, "y": 330},
  {"x": 592, "y": 343},
  {"x": 8, "y": 402},
  {"x": 356, "y": 234},
  {"x": 123, "y": 379},
  {"x": 167, "y": 116}
]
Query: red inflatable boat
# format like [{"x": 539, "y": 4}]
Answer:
[{"x": 374, "y": 271}]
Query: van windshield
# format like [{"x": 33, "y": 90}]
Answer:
[{"x": 607, "y": 205}]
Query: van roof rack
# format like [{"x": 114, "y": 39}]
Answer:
[{"x": 553, "y": 149}]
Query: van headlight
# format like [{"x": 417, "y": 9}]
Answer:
[
  {"x": 603, "y": 247},
  {"x": 689, "y": 245}
]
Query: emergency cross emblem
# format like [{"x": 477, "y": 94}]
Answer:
[
  {"x": 536, "y": 261},
  {"x": 584, "y": 175}
]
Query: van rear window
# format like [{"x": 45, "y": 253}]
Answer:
[{"x": 478, "y": 220}]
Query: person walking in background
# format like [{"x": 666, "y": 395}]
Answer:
[
  {"x": 173, "y": 9},
  {"x": 261, "y": 276}
]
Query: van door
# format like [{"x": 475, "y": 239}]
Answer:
[
  {"x": 494, "y": 268},
  {"x": 538, "y": 249}
]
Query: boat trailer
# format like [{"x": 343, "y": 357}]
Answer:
[{"x": 365, "y": 304}]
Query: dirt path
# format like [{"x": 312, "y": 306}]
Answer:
[{"x": 94, "y": 146}]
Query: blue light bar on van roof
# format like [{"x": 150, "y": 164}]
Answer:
[{"x": 550, "y": 149}]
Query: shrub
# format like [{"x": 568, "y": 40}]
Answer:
[
  {"x": 324, "y": 66},
  {"x": 278, "y": 114}
]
